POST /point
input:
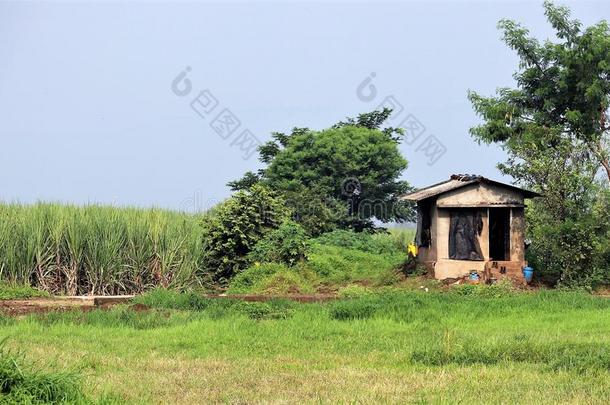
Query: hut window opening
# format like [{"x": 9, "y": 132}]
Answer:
[{"x": 464, "y": 230}]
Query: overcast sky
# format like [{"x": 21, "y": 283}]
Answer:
[{"x": 89, "y": 111}]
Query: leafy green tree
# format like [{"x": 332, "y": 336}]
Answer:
[
  {"x": 563, "y": 89},
  {"x": 553, "y": 127},
  {"x": 315, "y": 211},
  {"x": 235, "y": 226},
  {"x": 354, "y": 165},
  {"x": 248, "y": 180}
]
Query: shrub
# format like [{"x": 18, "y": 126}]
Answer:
[
  {"x": 411, "y": 267},
  {"x": 236, "y": 226},
  {"x": 335, "y": 257},
  {"x": 286, "y": 244},
  {"x": 573, "y": 253}
]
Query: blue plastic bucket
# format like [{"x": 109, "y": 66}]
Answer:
[{"x": 528, "y": 274}]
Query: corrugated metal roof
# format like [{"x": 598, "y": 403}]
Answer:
[{"x": 457, "y": 181}]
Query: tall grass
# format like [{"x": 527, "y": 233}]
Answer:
[
  {"x": 97, "y": 250},
  {"x": 21, "y": 383},
  {"x": 402, "y": 236}
]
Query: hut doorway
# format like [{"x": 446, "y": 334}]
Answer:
[{"x": 499, "y": 234}]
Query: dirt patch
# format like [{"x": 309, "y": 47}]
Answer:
[
  {"x": 326, "y": 289},
  {"x": 44, "y": 305},
  {"x": 139, "y": 308},
  {"x": 364, "y": 283},
  {"x": 39, "y": 306},
  {"x": 59, "y": 304}
]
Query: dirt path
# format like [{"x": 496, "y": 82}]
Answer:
[
  {"x": 43, "y": 305},
  {"x": 87, "y": 303}
]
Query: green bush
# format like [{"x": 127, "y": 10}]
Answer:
[
  {"x": 575, "y": 252},
  {"x": 346, "y": 256},
  {"x": 338, "y": 257},
  {"x": 286, "y": 244},
  {"x": 236, "y": 226}
]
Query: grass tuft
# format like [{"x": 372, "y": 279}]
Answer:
[
  {"x": 10, "y": 291},
  {"x": 21, "y": 383}
]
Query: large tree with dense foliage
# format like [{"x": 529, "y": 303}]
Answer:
[
  {"x": 343, "y": 176},
  {"x": 554, "y": 128},
  {"x": 563, "y": 90}
]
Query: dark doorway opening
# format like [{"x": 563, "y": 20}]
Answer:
[{"x": 499, "y": 233}]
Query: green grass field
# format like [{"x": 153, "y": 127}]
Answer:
[{"x": 477, "y": 345}]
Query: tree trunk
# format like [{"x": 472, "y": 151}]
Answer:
[
  {"x": 606, "y": 164},
  {"x": 603, "y": 157}
]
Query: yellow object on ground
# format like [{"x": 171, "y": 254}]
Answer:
[{"x": 412, "y": 249}]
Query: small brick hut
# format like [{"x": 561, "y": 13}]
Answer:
[{"x": 471, "y": 223}]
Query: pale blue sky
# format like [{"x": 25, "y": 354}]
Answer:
[{"x": 87, "y": 113}]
